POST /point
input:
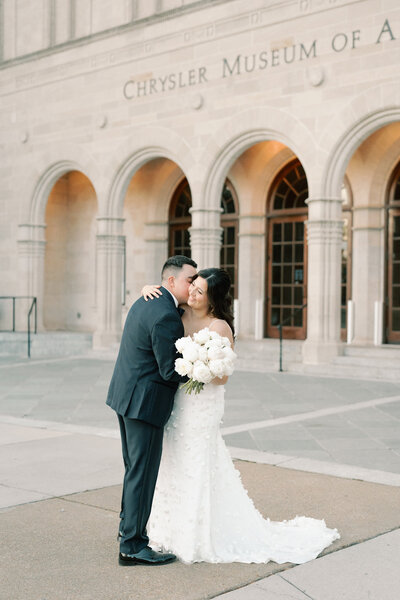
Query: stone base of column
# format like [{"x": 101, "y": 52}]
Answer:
[
  {"x": 317, "y": 353},
  {"x": 105, "y": 339}
]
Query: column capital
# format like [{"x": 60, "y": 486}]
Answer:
[
  {"x": 33, "y": 232},
  {"x": 324, "y": 208},
  {"x": 205, "y": 243},
  {"x": 252, "y": 225},
  {"x": 193, "y": 210},
  {"x": 338, "y": 200},
  {"x": 110, "y": 225},
  {"x": 110, "y": 243},
  {"x": 156, "y": 231},
  {"x": 31, "y": 248},
  {"x": 324, "y": 231},
  {"x": 205, "y": 235}
]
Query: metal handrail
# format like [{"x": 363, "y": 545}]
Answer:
[
  {"x": 33, "y": 305},
  {"x": 294, "y": 312}
]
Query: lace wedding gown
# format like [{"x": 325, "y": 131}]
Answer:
[{"x": 201, "y": 511}]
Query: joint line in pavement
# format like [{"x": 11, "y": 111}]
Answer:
[
  {"x": 296, "y": 588},
  {"x": 324, "y": 412}
]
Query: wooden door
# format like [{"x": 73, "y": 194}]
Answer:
[
  {"x": 286, "y": 277},
  {"x": 393, "y": 278}
]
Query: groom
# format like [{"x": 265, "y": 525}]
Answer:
[{"x": 142, "y": 392}]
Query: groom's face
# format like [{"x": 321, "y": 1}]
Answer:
[{"x": 181, "y": 283}]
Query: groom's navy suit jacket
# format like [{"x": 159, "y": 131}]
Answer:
[{"x": 144, "y": 381}]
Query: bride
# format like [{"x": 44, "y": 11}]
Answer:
[{"x": 201, "y": 511}]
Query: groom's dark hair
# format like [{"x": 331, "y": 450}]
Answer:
[{"x": 175, "y": 264}]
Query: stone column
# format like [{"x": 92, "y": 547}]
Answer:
[
  {"x": 31, "y": 252},
  {"x": 156, "y": 238},
  {"x": 206, "y": 236},
  {"x": 251, "y": 270},
  {"x": 368, "y": 269},
  {"x": 110, "y": 248},
  {"x": 324, "y": 235}
]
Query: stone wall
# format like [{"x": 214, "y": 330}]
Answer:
[
  {"x": 32, "y": 26},
  {"x": 213, "y": 90}
]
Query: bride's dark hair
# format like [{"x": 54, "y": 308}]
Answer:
[{"x": 219, "y": 298}]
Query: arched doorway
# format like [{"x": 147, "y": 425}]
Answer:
[
  {"x": 180, "y": 221},
  {"x": 229, "y": 245},
  {"x": 286, "y": 264},
  {"x": 393, "y": 259},
  {"x": 145, "y": 239},
  {"x": 69, "y": 302}
]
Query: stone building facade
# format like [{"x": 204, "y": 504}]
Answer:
[{"x": 260, "y": 135}]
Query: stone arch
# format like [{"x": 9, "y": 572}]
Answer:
[
  {"x": 160, "y": 208},
  {"x": 379, "y": 107},
  {"x": 52, "y": 165},
  {"x": 259, "y": 175},
  {"x": 384, "y": 171},
  {"x": 243, "y": 131},
  {"x": 271, "y": 171},
  {"x": 131, "y": 156}
]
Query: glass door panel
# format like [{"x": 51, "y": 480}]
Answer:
[
  {"x": 286, "y": 277},
  {"x": 394, "y": 277}
]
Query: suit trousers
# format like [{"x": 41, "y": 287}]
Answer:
[{"x": 141, "y": 451}]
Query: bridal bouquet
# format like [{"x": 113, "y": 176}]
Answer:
[{"x": 204, "y": 356}]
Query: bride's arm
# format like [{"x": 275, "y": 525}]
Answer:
[{"x": 150, "y": 291}]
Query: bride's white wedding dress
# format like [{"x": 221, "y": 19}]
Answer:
[{"x": 201, "y": 511}]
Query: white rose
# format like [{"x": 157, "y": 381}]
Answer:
[
  {"x": 215, "y": 336},
  {"x": 183, "y": 367},
  {"x": 228, "y": 353},
  {"x": 203, "y": 354},
  {"x": 228, "y": 366},
  {"x": 226, "y": 341},
  {"x": 191, "y": 351},
  {"x": 201, "y": 372},
  {"x": 181, "y": 344},
  {"x": 202, "y": 336},
  {"x": 215, "y": 353},
  {"x": 217, "y": 368}
]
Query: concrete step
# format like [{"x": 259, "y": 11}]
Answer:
[
  {"x": 387, "y": 351},
  {"x": 368, "y": 361},
  {"x": 45, "y": 344},
  {"x": 263, "y": 355},
  {"x": 268, "y": 348},
  {"x": 347, "y": 371}
]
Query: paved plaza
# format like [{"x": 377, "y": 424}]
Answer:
[{"x": 328, "y": 448}]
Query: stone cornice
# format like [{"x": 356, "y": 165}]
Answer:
[
  {"x": 157, "y": 17},
  {"x": 258, "y": 17}
]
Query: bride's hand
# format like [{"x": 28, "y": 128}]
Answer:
[{"x": 151, "y": 291}]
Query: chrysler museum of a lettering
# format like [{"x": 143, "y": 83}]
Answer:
[{"x": 259, "y": 135}]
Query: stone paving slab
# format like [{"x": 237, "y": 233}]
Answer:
[
  {"x": 316, "y": 466},
  {"x": 65, "y": 548},
  {"x": 271, "y": 588},
  {"x": 333, "y": 577},
  {"x": 37, "y": 463},
  {"x": 73, "y": 390}
]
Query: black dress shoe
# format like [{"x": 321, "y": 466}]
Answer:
[{"x": 146, "y": 556}]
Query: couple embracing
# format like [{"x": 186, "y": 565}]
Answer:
[{"x": 181, "y": 489}]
